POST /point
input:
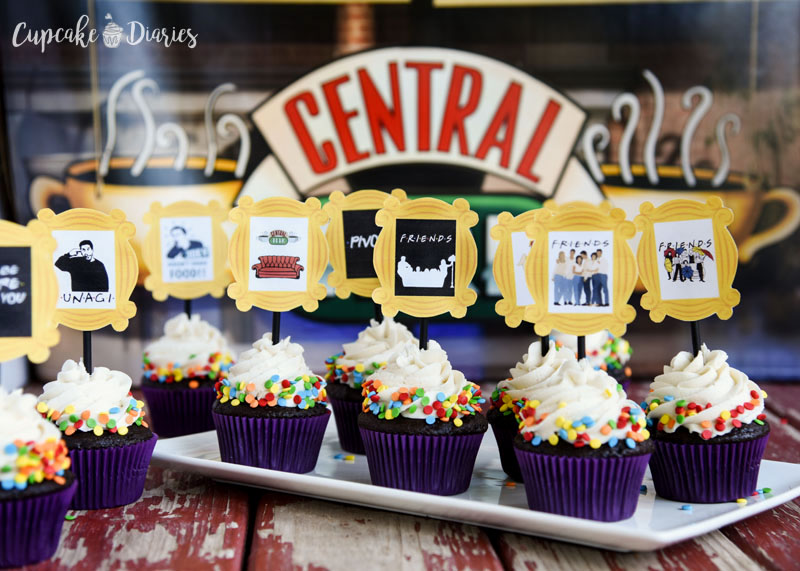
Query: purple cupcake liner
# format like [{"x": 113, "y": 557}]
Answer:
[
  {"x": 707, "y": 473},
  {"x": 110, "y": 477},
  {"x": 30, "y": 527},
  {"x": 285, "y": 444},
  {"x": 175, "y": 412},
  {"x": 345, "y": 413},
  {"x": 431, "y": 464},
  {"x": 600, "y": 489},
  {"x": 504, "y": 433}
]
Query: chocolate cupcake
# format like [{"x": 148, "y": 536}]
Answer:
[
  {"x": 710, "y": 430},
  {"x": 421, "y": 423},
  {"x": 604, "y": 351},
  {"x": 271, "y": 411},
  {"x": 36, "y": 485},
  {"x": 180, "y": 370},
  {"x": 583, "y": 446},
  {"x": 109, "y": 441},
  {"x": 374, "y": 347},
  {"x": 509, "y": 398}
]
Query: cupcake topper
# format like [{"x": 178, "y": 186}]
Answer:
[
  {"x": 425, "y": 258},
  {"x": 28, "y": 291},
  {"x": 96, "y": 268},
  {"x": 186, "y": 251},
  {"x": 581, "y": 270},
  {"x": 352, "y": 234},
  {"x": 687, "y": 261},
  {"x": 278, "y": 254}
]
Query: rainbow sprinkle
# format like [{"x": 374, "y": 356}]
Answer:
[
  {"x": 70, "y": 420},
  {"x": 434, "y": 407},
  {"x": 345, "y": 373},
  {"x": 35, "y": 462},
  {"x": 305, "y": 391},
  {"x": 617, "y": 351},
  {"x": 216, "y": 367},
  {"x": 685, "y": 409}
]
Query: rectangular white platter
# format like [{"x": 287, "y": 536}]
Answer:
[{"x": 488, "y": 502}]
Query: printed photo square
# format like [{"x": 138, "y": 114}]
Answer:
[
  {"x": 278, "y": 253},
  {"x": 15, "y": 291},
  {"x": 580, "y": 271},
  {"x": 85, "y": 263},
  {"x": 425, "y": 257},
  {"x": 186, "y": 249},
  {"x": 687, "y": 259}
]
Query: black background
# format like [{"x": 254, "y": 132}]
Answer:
[
  {"x": 424, "y": 254},
  {"x": 15, "y": 320},
  {"x": 359, "y": 260}
]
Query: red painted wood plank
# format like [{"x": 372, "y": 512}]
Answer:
[
  {"x": 293, "y": 533},
  {"x": 784, "y": 400},
  {"x": 182, "y": 521}
]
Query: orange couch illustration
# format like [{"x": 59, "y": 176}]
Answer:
[{"x": 278, "y": 267}]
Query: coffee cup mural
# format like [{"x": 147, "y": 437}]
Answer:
[
  {"x": 132, "y": 183},
  {"x": 628, "y": 186}
]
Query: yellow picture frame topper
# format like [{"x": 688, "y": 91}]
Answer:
[
  {"x": 338, "y": 202},
  {"x": 466, "y": 252},
  {"x": 126, "y": 266},
  {"x": 581, "y": 217},
  {"x": 241, "y": 264},
  {"x": 153, "y": 258},
  {"x": 42, "y": 289},
  {"x": 717, "y": 218},
  {"x": 504, "y": 263}
]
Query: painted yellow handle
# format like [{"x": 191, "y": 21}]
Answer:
[
  {"x": 42, "y": 188},
  {"x": 791, "y": 219}
]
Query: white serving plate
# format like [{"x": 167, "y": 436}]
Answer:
[{"x": 488, "y": 501}]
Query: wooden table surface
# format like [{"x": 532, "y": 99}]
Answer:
[{"x": 185, "y": 521}]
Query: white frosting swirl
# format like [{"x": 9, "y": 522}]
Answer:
[
  {"x": 699, "y": 380},
  {"x": 425, "y": 369},
  {"x": 578, "y": 400},
  {"x": 187, "y": 344},
  {"x": 265, "y": 361},
  {"x": 19, "y": 421},
  {"x": 103, "y": 398},
  {"x": 535, "y": 370}
]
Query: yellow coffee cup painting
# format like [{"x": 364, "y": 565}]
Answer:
[
  {"x": 628, "y": 186},
  {"x": 133, "y": 183}
]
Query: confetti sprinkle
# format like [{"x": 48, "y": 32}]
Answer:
[
  {"x": 643, "y": 490},
  {"x": 117, "y": 419},
  {"x": 70, "y": 517},
  {"x": 216, "y": 367},
  {"x": 742, "y": 501},
  {"x": 686, "y": 508},
  {"x": 33, "y": 462},
  {"x": 304, "y": 392}
]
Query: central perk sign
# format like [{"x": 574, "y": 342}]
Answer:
[{"x": 421, "y": 105}]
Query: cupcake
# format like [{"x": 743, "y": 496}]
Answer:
[
  {"x": 421, "y": 423},
  {"x": 583, "y": 446},
  {"x": 36, "y": 485},
  {"x": 604, "y": 351},
  {"x": 375, "y": 346},
  {"x": 108, "y": 439},
  {"x": 112, "y": 33},
  {"x": 180, "y": 370},
  {"x": 271, "y": 411},
  {"x": 511, "y": 394},
  {"x": 710, "y": 429}
]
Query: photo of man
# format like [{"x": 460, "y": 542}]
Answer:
[
  {"x": 600, "y": 280},
  {"x": 184, "y": 247},
  {"x": 87, "y": 273}
]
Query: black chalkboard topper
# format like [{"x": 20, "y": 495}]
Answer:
[
  {"x": 425, "y": 257},
  {"x": 28, "y": 291},
  {"x": 352, "y": 235}
]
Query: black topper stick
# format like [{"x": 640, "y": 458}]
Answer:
[
  {"x": 87, "y": 351},
  {"x": 581, "y": 347},
  {"x": 695, "y": 336},
  {"x": 378, "y": 312},
  {"x": 423, "y": 333},
  {"x": 276, "y": 327},
  {"x": 187, "y": 307},
  {"x": 545, "y": 342}
]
